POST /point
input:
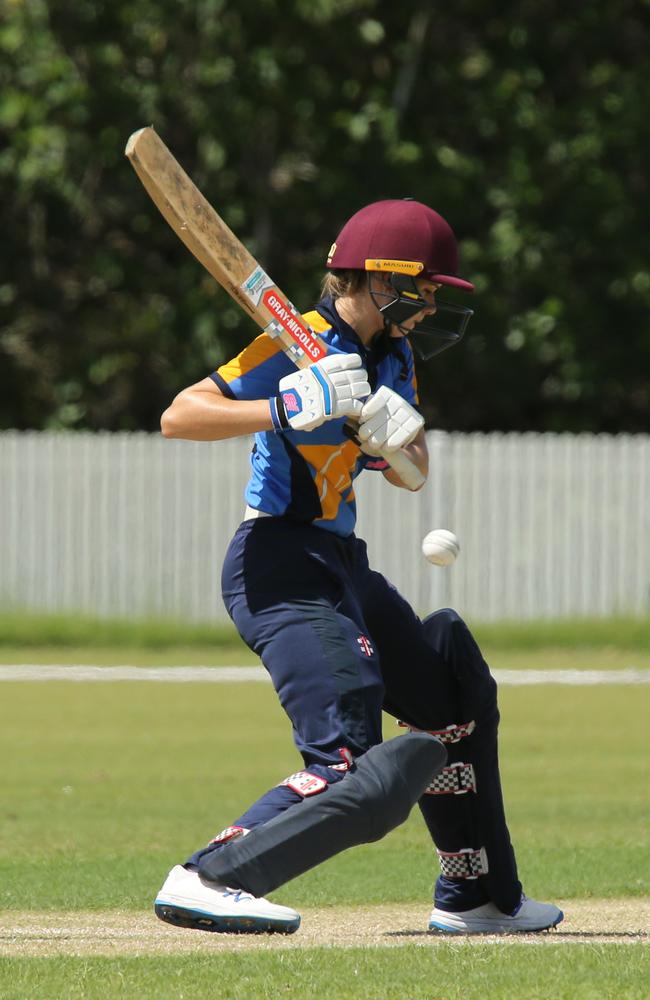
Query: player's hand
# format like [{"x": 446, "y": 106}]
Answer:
[
  {"x": 331, "y": 388},
  {"x": 387, "y": 422}
]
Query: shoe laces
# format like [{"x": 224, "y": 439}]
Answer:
[{"x": 237, "y": 894}]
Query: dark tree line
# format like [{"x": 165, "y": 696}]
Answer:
[{"x": 525, "y": 124}]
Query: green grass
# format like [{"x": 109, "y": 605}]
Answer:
[
  {"x": 109, "y": 784},
  {"x": 170, "y": 656},
  {"x": 31, "y": 630},
  {"x": 441, "y": 972},
  {"x": 609, "y": 644},
  {"x": 106, "y": 785},
  {"x": 578, "y": 633},
  {"x": 534, "y": 659}
]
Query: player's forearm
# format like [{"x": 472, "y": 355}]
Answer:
[
  {"x": 418, "y": 452},
  {"x": 197, "y": 415}
]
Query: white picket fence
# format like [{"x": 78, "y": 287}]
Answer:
[{"x": 134, "y": 525}]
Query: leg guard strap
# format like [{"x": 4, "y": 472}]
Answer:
[
  {"x": 450, "y": 734},
  {"x": 466, "y": 863},
  {"x": 230, "y": 833},
  {"x": 457, "y": 779},
  {"x": 304, "y": 783}
]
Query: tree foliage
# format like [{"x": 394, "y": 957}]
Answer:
[{"x": 527, "y": 128}]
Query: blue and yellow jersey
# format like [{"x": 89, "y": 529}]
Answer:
[{"x": 310, "y": 475}]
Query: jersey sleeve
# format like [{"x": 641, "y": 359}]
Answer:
[{"x": 255, "y": 372}]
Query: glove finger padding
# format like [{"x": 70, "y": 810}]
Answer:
[
  {"x": 351, "y": 387},
  {"x": 339, "y": 363},
  {"x": 331, "y": 388},
  {"x": 388, "y": 422}
]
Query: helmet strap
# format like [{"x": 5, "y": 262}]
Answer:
[{"x": 378, "y": 296}]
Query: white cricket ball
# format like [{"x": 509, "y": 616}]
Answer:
[{"x": 440, "y": 547}]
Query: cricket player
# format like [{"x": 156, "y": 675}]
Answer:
[{"x": 339, "y": 642}]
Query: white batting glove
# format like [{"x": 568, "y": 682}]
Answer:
[
  {"x": 333, "y": 387},
  {"x": 387, "y": 422}
]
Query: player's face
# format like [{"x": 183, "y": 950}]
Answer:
[{"x": 427, "y": 290}]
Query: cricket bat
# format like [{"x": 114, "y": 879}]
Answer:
[{"x": 205, "y": 233}]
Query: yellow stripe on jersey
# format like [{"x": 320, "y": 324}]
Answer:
[
  {"x": 414, "y": 383},
  {"x": 260, "y": 350},
  {"x": 317, "y": 322},
  {"x": 332, "y": 466}
]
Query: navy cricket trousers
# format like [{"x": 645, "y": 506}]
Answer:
[
  {"x": 340, "y": 644},
  {"x": 339, "y": 641}
]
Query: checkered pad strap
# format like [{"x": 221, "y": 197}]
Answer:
[
  {"x": 457, "y": 779},
  {"x": 230, "y": 833},
  {"x": 304, "y": 783},
  {"x": 450, "y": 734},
  {"x": 467, "y": 863}
]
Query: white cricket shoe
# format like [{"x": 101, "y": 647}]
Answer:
[
  {"x": 186, "y": 900},
  {"x": 487, "y": 919}
]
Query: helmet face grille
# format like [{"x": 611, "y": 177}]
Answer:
[
  {"x": 432, "y": 333},
  {"x": 442, "y": 330}
]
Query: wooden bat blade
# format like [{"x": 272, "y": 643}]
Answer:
[
  {"x": 214, "y": 245},
  {"x": 192, "y": 217}
]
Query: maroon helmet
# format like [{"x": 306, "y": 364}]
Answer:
[
  {"x": 400, "y": 236},
  {"x": 406, "y": 240}
]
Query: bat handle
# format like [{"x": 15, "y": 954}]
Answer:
[{"x": 405, "y": 469}]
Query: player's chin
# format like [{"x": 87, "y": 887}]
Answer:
[{"x": 408, "y": 325}]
